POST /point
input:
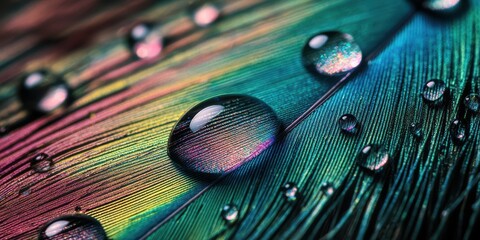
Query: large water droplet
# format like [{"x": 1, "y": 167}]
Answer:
[
  {"x": 434, "y": 91},
  {"x": 331, "y": 54},
  {"x": 41, "y": 163},
  {"x": 204, "y": 14},
  {"x": 144, "y": 42},
  {"x": 458, "y": 131},
  {"x": 221, "y": 133},
  {"x": 439, "y": 5},
  {"x": 349, "y": 124},
  {"x": 78, "y": 227},
  {"x": 472, "y": 102},
  {"x": 416, "y": 130},
  {"x": 327, "y": 188},
  {"x": 290, "y": 191},
  {"x": 230, "y": 213},
  {"x": 43, "y": 92},
  {"x": 373, "y": 157}
]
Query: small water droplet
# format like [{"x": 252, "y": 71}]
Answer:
[
  {"x": 43, "y": 92},
  {"x": 221, "y": 133},
  {"x": 78, "y": 227},
  {"x": 204, "y": 14},
  {"x": 327, "y": 188},
  {"x": 24, "y": 191},
  {"x": 373, "y": 157},
  {"x": 230, "y": 213},
  {"x": 290, "y": 191},
  {"x": 458, "y": 131},
  {"x": 472, "y": 102},
  {"x": 331, "y": 54},
  {"x": 434, "y": 91},
  {"x": 416, "y": 130},
  {"x": 144, "y": 42},
  {"x": 3, "y": 130},
  {"x": 349, "y": 124},
  {"x": 78, "y": 209},
  {"x": 41, "y": 163}
]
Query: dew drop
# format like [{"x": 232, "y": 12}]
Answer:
[
  {"x": 204, "y": 14},
  {"x": 439, "y": 5},
  {"x": 25, "y": 191},
  {"x": 331, "y": 54},
  {"x": 78, "y": 227},
  {"x": 144, "y": 42},
  {"x": 472, "y": 102},
  {"x": 41, "y": 163},
  {"x": 373, "y": 158},
  {"x": 434, "y": 91},
  {"x": 42, "y": 92},
  {"x": 230, "y": 213},
  {"x": 458, "y": 132},
  {"x": 290, "y": 191},
  {"x": 327, "y": 188},
  {"x": 416, "y": 130},
  {"x": 349, "y": 124},
  {"x": 221, "y": 133},
  {"x": 78, "y": 209}
]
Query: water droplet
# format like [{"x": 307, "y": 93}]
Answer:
[
  {"x": 204, "y": 14},
  {"x": 472, "y": 102},
  {"x": 434, "y": 91},
  {"x": 25, "y": 191},
  {"x": 416, "y": 130},
  {"x": 221, "y": 133},
  {"x": 43, "y": 92},
  {"x": 458, "y": 131},
  {"x": 290, "y": 191},
  {"x": 439, "y": 5},
  {"x": 41, "y": 163},
  {"x": 78, "y": 227},
  {"x": 327, "y": 188},
  {"x": 331, "y": 54},
  {"x": 78, "y": 209},
  {"x": 230, "y": 213},
  {"x": 349, "y": 124},
  {"x": 373, "y": 157},
  {"x": 144, "y": 42}
]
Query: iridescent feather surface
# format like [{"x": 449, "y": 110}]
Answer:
[{"x": 253, "y": 119}]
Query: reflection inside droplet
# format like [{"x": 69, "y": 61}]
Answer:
[
  {"x": 205, "y": 14},
  {"x": 205, "y": 116}
]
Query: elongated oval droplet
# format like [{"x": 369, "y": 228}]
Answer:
[
  {"x": 230, "y": 213},
  {"x": 222, "y": 133},
  {"x": 434, "y": 91},
  {"x": 78, "y": 227},
  {"x": 458, "y": 131},
  {"x": 331, "y": 54},
  {"x": 144, "y": 42},
  {"x": 290, "y": 191},
  {"x": 472, "y": 102},
  {"x": 41, "y": 163},
  {"x": 373, "y": 158},
  {"x": 42, "y": 92},
  {"x": 416, "y": 130},
  {"x": 204, "y": 13},
  {"x": 349, "y": 124}
]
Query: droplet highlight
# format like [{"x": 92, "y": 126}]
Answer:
[
  {"x": 144, "y": 42},
  {"x": 434, "y": 91},
  {"x": 221, "y": 133},
  {"x": 78, "y": 227},
  {"x": 472, "y": 102},
  {"x": 349, "y": 124},
  {"x": 373, "y": 158},
  {"x": 41, "y": 163},
  {"x": 290, "y": 191},
  {"x": 331, "y": 54},
  {"x": 327, "y": 188},
  {"x": 439, "y": 5},
  {"x": 458, "y": 131},
  {"x": 204, "y": 14},
  {"x": 230, "y": 213},
  {"x": 43, "y": 92}
]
